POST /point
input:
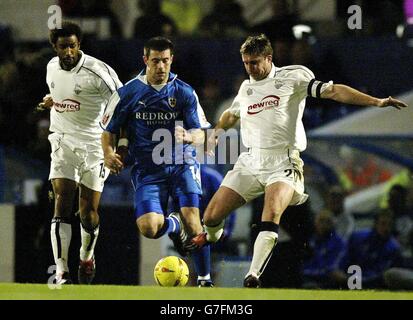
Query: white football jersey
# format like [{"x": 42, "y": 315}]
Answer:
[
  {"x": 80, "y": 96},
  {"x": 271, "y": 110}
]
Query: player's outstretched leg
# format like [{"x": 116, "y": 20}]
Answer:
[{"x": 224, "y": 201}]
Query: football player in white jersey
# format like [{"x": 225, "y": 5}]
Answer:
[
  {"x": 270, "y": 106},
  {"x": 80, "y": 87}
]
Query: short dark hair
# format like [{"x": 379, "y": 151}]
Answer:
[
  {"x": 258, "y": 45},
  {"x": 68, "y": 29},
  {"x": 158, "y": 44}
]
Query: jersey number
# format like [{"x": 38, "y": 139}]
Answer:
[
  {"x": 295, "y": 172},
  {"x": 102, "y": 170}
]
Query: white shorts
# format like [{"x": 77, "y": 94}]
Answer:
[
  {"x": 258, "y": 168},
  {"x": 77, "y": 160}
]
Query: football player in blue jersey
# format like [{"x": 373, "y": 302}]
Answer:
[{"x": 164, "y": 124}]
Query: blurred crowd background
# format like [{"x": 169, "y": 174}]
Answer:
[{"x": 360, "y": 185}]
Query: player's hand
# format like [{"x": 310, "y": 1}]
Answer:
[
  {"x": 113, "y": 162},
  {"x": 46, "y": 104},
  {"x": 122, "y": 151},
  {"x": 391, "y": 102},
  {"x": 182, "y": 135}
]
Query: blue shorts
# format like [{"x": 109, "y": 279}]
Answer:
[{"x": 154, "y": 186}]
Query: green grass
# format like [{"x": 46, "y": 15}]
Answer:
[{"x": 13, "y": 291}]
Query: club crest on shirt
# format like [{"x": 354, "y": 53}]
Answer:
[
  {"x": 52, "y": 85},
  {"x": 78, "y": 89},
  {"x": 172, "y": 102},
  {"x": 278, "y": 84},
  {"x": 249, "y": 91}
]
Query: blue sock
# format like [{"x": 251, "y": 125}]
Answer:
[
  {"x": 170, "y": 225},
  {"x": 174, "y": 226},
  {"x": 202, "y": 261}
]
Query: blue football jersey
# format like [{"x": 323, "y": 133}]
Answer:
[{"x": 150, "y": 117}]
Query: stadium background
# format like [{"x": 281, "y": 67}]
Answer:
[{"x": 375, "y": 59}]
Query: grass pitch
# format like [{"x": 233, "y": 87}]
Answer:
[{"x": 14, "y": 291}]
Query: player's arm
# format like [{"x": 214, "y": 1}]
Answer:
[
  {"x": 227, "y": 120},
  {"x": 345, "y": 94},
  {"x": 123, "y": 143},
  {"x": 112, "y": 159}
]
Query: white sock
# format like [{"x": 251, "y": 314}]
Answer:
[
  {"x": 88, "y": 242},
  {"x": 263, "y": 247},
  {"x": 214, "y": 233},
  {"x": 60, "y": 235},
  {"x": 207, "y": 277}
]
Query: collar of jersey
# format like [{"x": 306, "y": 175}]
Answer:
[
  {"x": 79, "y": 64},
  {"x": 140, "y": 77},
  {"x": 270, "y": 75}
]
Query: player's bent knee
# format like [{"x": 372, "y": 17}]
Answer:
[
  {"x": 88, "y": 210},
  {"x": 63, "y": 208},
  {"x": 147, "y": 232},
  {"x": 147, "y": 228},
  {"x": 89, "y": 218}
]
